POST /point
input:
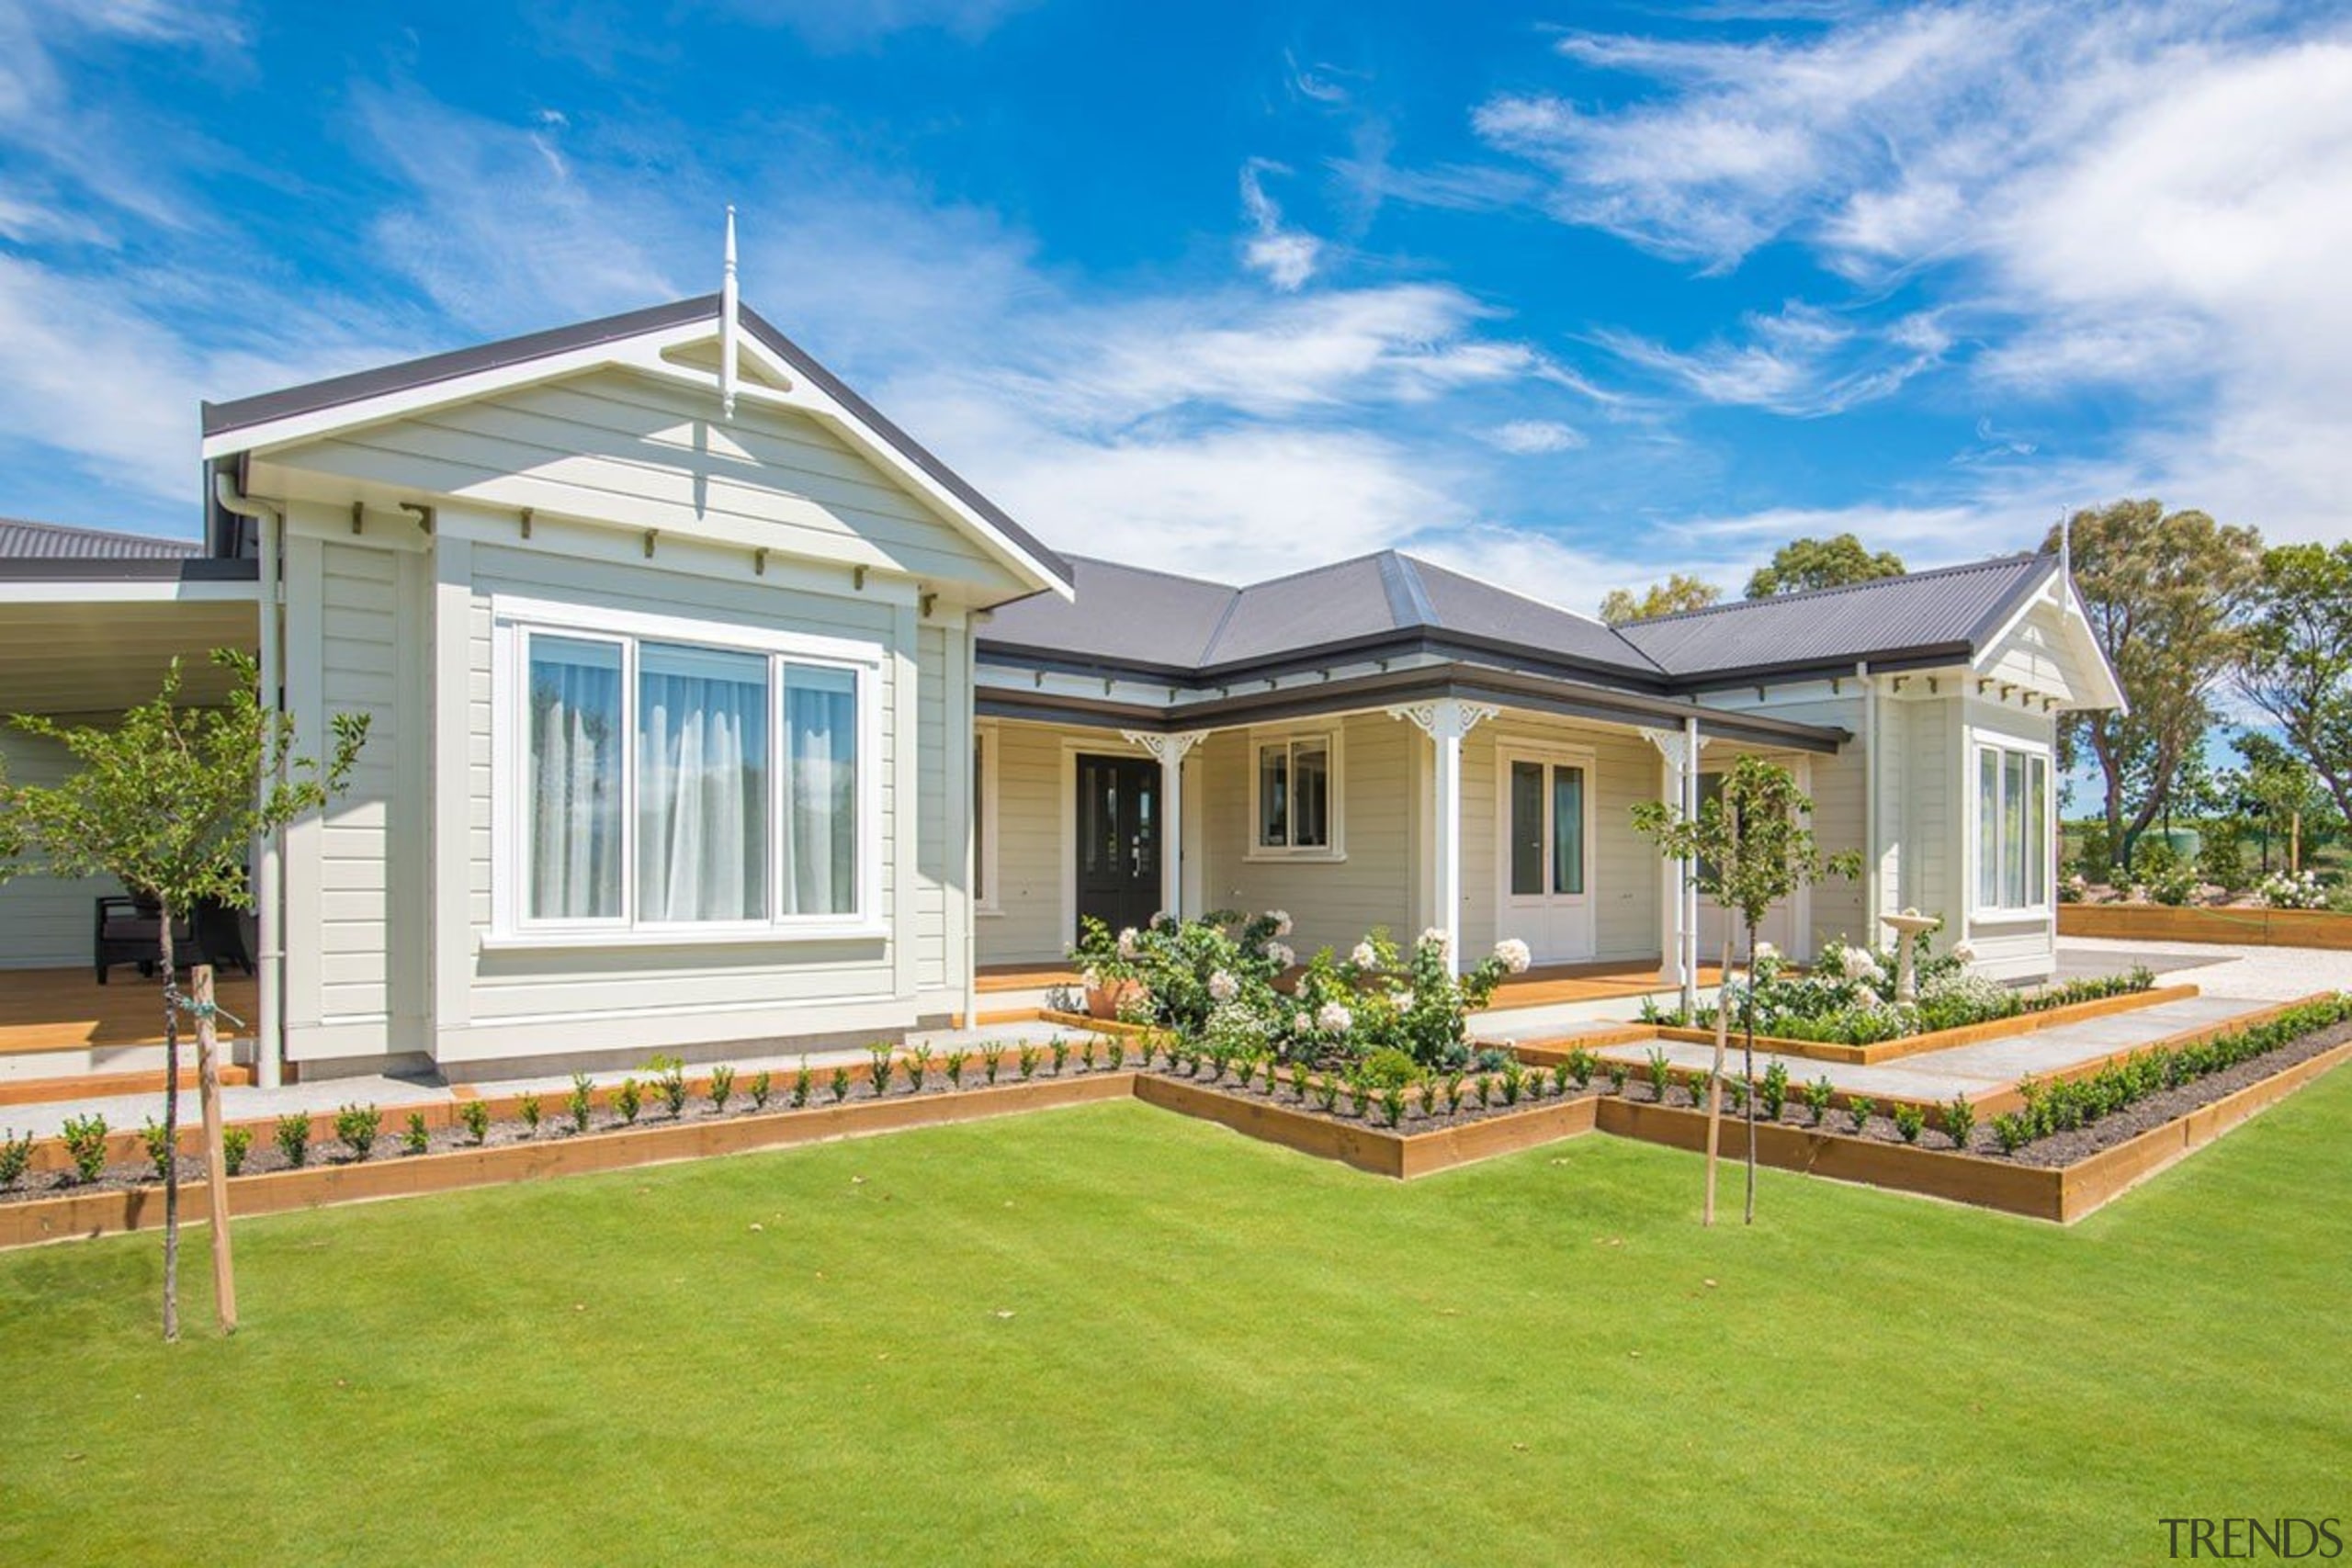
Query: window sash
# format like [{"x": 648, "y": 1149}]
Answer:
[
  {"x": 2012, "y": 829},
  {"x": 1297, "y": 795},
  {"x": 575, "y": 772}
]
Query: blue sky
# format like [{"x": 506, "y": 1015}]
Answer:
[{"x": 1568, "y": 296}]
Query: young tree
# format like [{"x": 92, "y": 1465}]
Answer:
[
  {"x": 169, "y": 803},
  {"x": 2165, "y": 594},
  {"x": 1834, "y": 562},
  {"x": 1680, "y": 592},
  {"x": 1753, "y": 848},
  {"x": 2298, "y": 658}
]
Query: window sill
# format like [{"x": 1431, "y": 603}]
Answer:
[
  {"x": 723, "y": 936},
  {"x": 989, "y": 911},
  {"x": 1308, "y": 857}
]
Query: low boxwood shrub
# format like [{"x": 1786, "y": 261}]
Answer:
[
  {"x": 1909, "y": 1122},
  {"x": 722, "y": 1087},
  {"x": 85, "y": 1141},
  {"x": 840, "y": 1085},
  {"x": 669, "y": 1082},
  {"x": 1817, "y": 1097},
  {"x": 16, "y": 1158},
  {"x": 918, "y": 1064},
  {"x": 236, "y": 1142},
  {"x": 761, "y": 1087},
  {"x": 158, "y": 1146},
  {"x": 474, "y": 1114},
  {"x": 294, "y": 1136},
  {"x": 1959, "y": 1121},
  {"x": 358, "y": 1126},
  {"x": 581, "y": 1105},
  {"x": 529, "y": 1109},
  {"x": 418, "y": 1137},
  {"x": 629, "y": 1100}
]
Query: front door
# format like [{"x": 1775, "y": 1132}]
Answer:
[
  {"x": 1118, "y": 840},
  {"x": 1547, "y": 813}
]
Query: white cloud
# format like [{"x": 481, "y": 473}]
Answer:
[
  {"x": 1801, "y": 360},
  {"x": 1286, "y": 256},
  {"x": 1529, "y": 437},
  {"x": 857, "y": 24}
]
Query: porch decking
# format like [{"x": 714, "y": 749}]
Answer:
[{"x": 46, "y": 1011}]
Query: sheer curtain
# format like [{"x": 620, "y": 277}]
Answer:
[
  {"x": 702, "y": 751},
  {"x": 576, "y": 781},
  {"x": 821, "y": 790}
]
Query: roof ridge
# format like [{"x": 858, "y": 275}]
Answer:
[
  {"x": 1628, "y": 644},
  {"x": 2013, "y": 559},
  {"x": 1152, "y": 572}
]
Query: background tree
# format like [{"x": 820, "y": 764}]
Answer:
[
  {"x": 2298, "y": 658},
  {"x": 2282, "y": 798},
  {"x": 1753, "y": 849},
  {"x": 1678, "y": 591},
  {"x": 1820, "y": 563},
  {"x": 169, "y": 803},
  {"x": 2165, "y": 594}
]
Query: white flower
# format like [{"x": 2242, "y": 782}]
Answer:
[
  {"x": 1162, "y": 920},
  {"x": 1964, "y": 951},
  {"x": 1403, "y": 1001},
  {"x": 1855, "y": 964},
  {"x": 1765, "y": 949},
  {"x": 1440, "y": 938},
  {"x": 1282, "y": 922},
  {"x": 1223, "y": 987},
  {"x": 1127, "y": 940},
  {"x": 1091, "y": 979},
  {"x": 1514, "y": 954},
  {"x": 1363, "y": 957},
  {"x": 1334, "y": 1019},
  {"x": 1867, "y": 997},
  {"x": 1282, "y": 956}
]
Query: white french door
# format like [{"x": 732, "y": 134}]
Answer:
[
  {"x": 1545, "y": 868},
  {"x": 1783, "y": 925}
]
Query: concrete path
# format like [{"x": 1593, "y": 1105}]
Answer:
[
  {"x": 1971, "y": 1069},
  {"x": 2274, "y": 974}
]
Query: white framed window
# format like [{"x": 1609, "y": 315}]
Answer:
[
  {"x": 659, "y": 779},
  {"x": 986, "y": 899},
  {"x": 1295, "y": 797},
  {"x": 2011, "y": 827}
]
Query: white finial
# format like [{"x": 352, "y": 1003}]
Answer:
[
  {"x": 2066, "y": 546},
  {"x": 727, "y": 325}
]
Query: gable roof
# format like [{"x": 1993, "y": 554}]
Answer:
[
  {"x": 245, "y": 424},
  {"x": 1159, "y": 621},
  {"x": 24, "y": 540},
  {"x": 1950, "y": 609}
]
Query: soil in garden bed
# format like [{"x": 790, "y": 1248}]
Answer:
[
  {"x": 555, "y": 1125},
  {"x": 1538, "y": 1089},
  {"x": 2055, "y": 1152}
]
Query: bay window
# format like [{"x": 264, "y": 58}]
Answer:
[
  {"x": 677, "y": 776},
  {"x": 2012, "y": 829}
]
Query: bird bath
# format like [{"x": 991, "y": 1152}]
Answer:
[{"x": 1908, "y": 927}]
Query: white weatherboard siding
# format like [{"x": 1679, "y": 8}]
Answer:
[
  {"x": 46, "y": 922},
  {"x": 355, "y": 872},
  {"x": 638, "y": 452},
  {"x": 2008, "y": 945},
  {"x": 1026, "y": 925}
]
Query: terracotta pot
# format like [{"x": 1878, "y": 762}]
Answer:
[{"x": 1106, "y": 1001}]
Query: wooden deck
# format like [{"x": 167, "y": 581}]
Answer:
[
  {"x": 67, "y": 1009},
  {"x": 1540, "y": 986}
]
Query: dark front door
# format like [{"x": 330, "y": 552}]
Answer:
[{"x": 1118, "y": 840}]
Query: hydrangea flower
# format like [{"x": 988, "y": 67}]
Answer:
[
  {"x": 1282, "y": 922},
  {"x": 1855, "y": 964},
  {"x": 1439, "y": 937},
  {"x": 1090, "y": 978},
  {"x": 1867, "y": 998},
  {"x": 1964, "y": 951},
  {"x": 1127, "y": 940},
  {"x": 1282, "y": 956},
  {"x": 1515, "y": 955},
  {"x": 1223, "y": 987},
  {"x": 1333, "y": 1018},
  {"x": 1765, "y": 952},
  {"x": 1363, "y": 957}
]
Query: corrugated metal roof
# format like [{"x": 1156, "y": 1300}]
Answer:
[
  {"x": 1127, "y": 615},
  {"x": 1952, "y": 606},
  {"x": 315, "y": 397},
  {"x": 21, "y": 540}
]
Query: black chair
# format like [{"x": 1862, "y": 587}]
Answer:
[{"x": 130, "y": 930}]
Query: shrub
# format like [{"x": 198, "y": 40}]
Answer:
[
  {"x": 991, "y": 1063},
  {"x": 1433, "y": 1096},
  {"x": 1514, "y": 1078},
  {"x": 918, "y": 1062},
  {"x": 356, "y": 1126},
  {"x": 1817, "y": 1096},
  {"x": 629, "y": 1100},
  {"x": 954, "y": 1068},
  {"x": 475, "y": 1115},
  {"x": 1061, "y": 1055},
  {"x": 1696, "y": 1086},
  {"x": 841, "y": 1085},
  {"x": 1616, "y": 1079},
  {"x": 16, "y": 1157},
  {"x": 1327, "y": 1094},
  {"x": 1909, "y": 1122},
  {"x": 1086, "y": 1056},
  {"x": 762, "y": 1089},
  {"x": 1392, "y": 1103},
  {"x": 1660, "y": 1072},
  {"x": 1117, "y": 1052},
  {"x": 2012, "y": 1132},
  {"x": 801, "y": 1084},
  {"x": 1390, "y": 1066},
  {"x": 1561, "y": 1071},
  {"x": 670, "y": 1081},
  {"x": 294, "y": 1135},
  {"x": 529, "y": 1110},
  {"x": 1859, "y": 1109},
  {"x": 1774, "y": 1094},
  {"x": 884, "y": 1064},
  {"x": 1489, "y": 1090},
  {"x": 1455, "y": 1087},
  {"x": 1737, "y": 1087},
  {"x": 1582, "y": 1063},
  {"x": 1959, "y": 1120},
  {"x": 419, "y": 1137},
  {"x": 722, "y": 1086},
  {"x": 236, "y": 1142},
  {"x": 158, "y": 1146},
  {"x": 86, "y": 1140},
  {"x": 582, "y": 1102},
  {"x": 1028, "y": 1062},
  {"x": 2293, "y": 890}
]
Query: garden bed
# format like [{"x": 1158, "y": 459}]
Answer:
[
  {"x": 2248, "y": 927},
  {"x": 1418, "y": 1145},
  {"x": 1943, "y": 1039},
  {"x": 2061, "y": 1177}
]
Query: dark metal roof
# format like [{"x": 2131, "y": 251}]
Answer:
[
  {"x": 21, "y": 540},
  {"x": 226, "y": 418},
  {"x": 1950, "y": 609}
]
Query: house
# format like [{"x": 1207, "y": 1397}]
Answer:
[{"x": 710, "y": 708}]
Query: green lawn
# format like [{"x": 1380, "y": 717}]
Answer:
[{"x": 1215, "y": 1351}]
